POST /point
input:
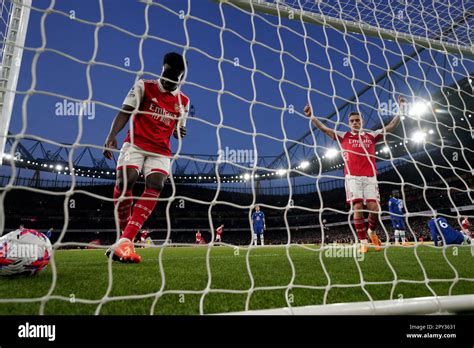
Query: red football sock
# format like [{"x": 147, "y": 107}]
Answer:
[
  {"x": 373, "y": 222},
  {"x": 141, "y": 211},
  {"x": 124, "y": 207},
  {"x": 360, "y": 228}
]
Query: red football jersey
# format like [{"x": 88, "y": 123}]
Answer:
[
  {"x": 358, "y": 150},
  {"x": 158, "y": 113},
  {"x": 465, "y": 224},
  {"x": 198, "y": 237},
  {"x": 219, "y": 230}
]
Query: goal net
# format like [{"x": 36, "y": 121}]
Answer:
[{"x": 252, "y": 66}]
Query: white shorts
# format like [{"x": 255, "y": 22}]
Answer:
[
  {"x": 134, "y": 157},
  {"x": 361, "y": 189}
]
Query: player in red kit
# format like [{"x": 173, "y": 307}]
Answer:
[
  {"x": 198, "y": 237},
  {"x": 360, "y": 171},
  {"x": 465, "y": 225},
  {"x": 219, "y": 231},
  {"x": 143, "y": 237},
  {"x": 157, "y": 109}
]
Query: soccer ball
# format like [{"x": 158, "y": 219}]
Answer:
[{"x": 24, "y": 252}]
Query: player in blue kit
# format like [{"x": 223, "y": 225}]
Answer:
[
  {"x": 397, "y": 212},
  {"x": 440, "y": 227},
  {"x": 258, "y": 219}
]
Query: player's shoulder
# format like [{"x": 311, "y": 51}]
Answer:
[
  {"x": 374, "y": 133},
  {"x": 184, "y": 98},
  {"x": 149, "y": 81},
  {"x": 342, "y": 134}
]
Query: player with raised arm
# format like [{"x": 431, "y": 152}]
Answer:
[
  {"x": 157, "y": 109},
  {"x": 198, "y": 237},
  {"x": 396, "y": 210},
  {"x": 258, "y": 219},
  {"x": 465, "y": 225},
  {"x": 219, "y": 231},
  {"x": 439, "y": 227},
  {"x": 360, "y": 171}
]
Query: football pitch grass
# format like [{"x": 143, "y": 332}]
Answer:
[{"x": 83, "y": 275}]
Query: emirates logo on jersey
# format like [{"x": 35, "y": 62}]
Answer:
[
  {"x": 161, "y": 114},
  {"x": 366, "y": 142}
]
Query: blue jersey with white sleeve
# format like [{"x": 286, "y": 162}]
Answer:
[
  {"x": 258, "y": 218},
  {"x": 439, "y": 226},
  {"x": 395, "y": 208}
]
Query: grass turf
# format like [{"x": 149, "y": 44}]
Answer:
[{"x": 83, "y": 275}]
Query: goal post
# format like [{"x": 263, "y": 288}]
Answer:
[{"x": 15, "y": 15}]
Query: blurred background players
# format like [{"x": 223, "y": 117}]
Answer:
[
  {"x": 219, "y": 231},
  {"x": 198, "y": 237},
  {"x": 397, "y": 217},
  {"x": 465, "y": 225},
  {"x": 49, "y": 233},
  {"x": 143, "y": 237},
  {"x": 258, "y": 219}
]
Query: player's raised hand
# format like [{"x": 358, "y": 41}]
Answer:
[
  {"x": 307, "y": 110},
  {"x": 182, "y": 131},
  {"x": 111, "y": 143}
]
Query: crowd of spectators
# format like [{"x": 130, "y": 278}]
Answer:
[{"x": 91, "y": 217}]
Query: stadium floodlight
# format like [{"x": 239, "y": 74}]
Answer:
[
  {"x": 331, "y": 153},
  {"x": 59, "y": 167},
  {"x": 304, "y": 165},
  {"x": 419, "y": 108},
  {"x": 431, "y": 131},
  {"x": 418, "y": 137},
  {"x": 385, "y": 149},
  {"x": 246, "y": 176},
  {"x": 281, "y": 172}
]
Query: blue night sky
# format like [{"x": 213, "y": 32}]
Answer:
[{"x": 64, "y": 75}]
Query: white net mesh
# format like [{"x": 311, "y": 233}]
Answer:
[{"x": 253, "y": 65}]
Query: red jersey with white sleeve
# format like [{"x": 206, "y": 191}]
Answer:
[
  {"x": 219, "y": 230},
  {"x": 144, "y": 235},
  {"x": 198, "y": 237},
  {"x": 358, "y": 150},
  {"x": 158, "y": 113},
  {"x": 465, "y": 224}
]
